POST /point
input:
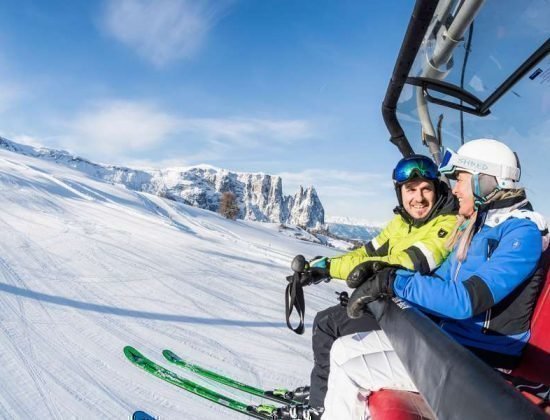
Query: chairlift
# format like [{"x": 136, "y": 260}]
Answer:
[{"x": 453, "y": 383}]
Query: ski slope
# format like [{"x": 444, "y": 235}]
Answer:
[{"x": 88, "y": 267}]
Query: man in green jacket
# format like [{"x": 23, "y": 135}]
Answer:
[{"x": 414, "y": 239}]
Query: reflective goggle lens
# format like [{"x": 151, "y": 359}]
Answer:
[
  {"x": 422, "y": 167},
  {"x": 447, "y": 166}
]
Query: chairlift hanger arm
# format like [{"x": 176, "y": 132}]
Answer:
[
  {"x": 478, "y": 107},
  {"x": 439, "y": 62},
  {"x": 418, "y": 25},
  {"x": 451, "y": 90}
]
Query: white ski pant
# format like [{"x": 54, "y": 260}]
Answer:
[{"x": 361, "y": 363}]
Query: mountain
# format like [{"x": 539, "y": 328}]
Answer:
[
  {"x": 353, "y": 229},
  {"x": 88, "y": 267},
  {"x": 259, "y": 196}
]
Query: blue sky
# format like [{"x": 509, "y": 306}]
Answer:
[{"x": 292, "y": 88}]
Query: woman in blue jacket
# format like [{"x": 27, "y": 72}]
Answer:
[{"x": 483, "y": 294}]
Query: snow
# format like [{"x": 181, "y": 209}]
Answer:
[{"x": 88, "y": 267}]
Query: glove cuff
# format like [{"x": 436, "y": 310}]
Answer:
[{"x": 391, "y": 279}]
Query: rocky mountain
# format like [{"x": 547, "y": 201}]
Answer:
[
  {"x": 353, "y": 229},
  {"x": 353, "y": 232},
  {"x": 259, "y": 196}
]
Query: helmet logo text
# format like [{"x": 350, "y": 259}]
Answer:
[{"x": 472, "y": 164}]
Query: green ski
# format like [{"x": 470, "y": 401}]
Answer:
[
  {"x": 278, "y": 395},
  {"x": 262, "y": 411}
]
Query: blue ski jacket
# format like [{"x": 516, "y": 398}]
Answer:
[{"x": 486, "y": 302}]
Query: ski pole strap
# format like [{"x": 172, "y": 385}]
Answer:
[
  {"x": 539, "y": 390},
  {"x": 294, "y": 299}
]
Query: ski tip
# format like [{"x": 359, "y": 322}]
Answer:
[
  {"x": 141, "y": 415},
  {"x": 170, "y": 355},
  {"x": 128, "y": 350},
  {"x": 132, "y": 354}
]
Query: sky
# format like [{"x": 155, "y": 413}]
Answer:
[{"x": 281, "y": 87}]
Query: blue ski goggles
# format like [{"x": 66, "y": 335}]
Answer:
[
  {"x": 416, "y": 166},
  {"x": 448, "y": 161}
]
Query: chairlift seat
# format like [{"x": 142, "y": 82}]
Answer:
[{"x": 534, "y": 366}]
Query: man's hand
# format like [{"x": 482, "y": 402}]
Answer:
[
  {"x": 378, "y": 286},
  {"x": 363, "y": 272},
  {"x": 312, "y": 272},
  {"x": 316, "y": 271}
]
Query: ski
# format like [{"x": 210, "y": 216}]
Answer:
[
  {"x": 278, "y": 395},
  {"x": 261, "y": 411},
  {"x": 141, "y": 415}
]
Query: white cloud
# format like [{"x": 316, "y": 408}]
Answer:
[
  {"x": 162, "y": 30},
  {"x": 27, "y": 139},
  {"x": 346, "y": 193},
  {"x": 334, "y": 177},
  {"x": 337, "y": 185},
  {"x": 247, "y": 131},
  {"x": 118, "y": 126},
  {"x": 477, "y": 84}
]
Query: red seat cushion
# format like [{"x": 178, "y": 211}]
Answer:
[
  {"x": 535, "y": 363},
  {"x": 389, "y": 404}
]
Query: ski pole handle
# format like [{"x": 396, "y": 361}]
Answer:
[
  {"x": 298, "y": 264},
  {"x": 294, "y": 294}
]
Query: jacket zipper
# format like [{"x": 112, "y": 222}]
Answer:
[
  {"x": 487, "y": 321},
  {"x": 488, "y": 312},
  {"x": 457, "y": 270},
  {"x": 442, "y": 323}
]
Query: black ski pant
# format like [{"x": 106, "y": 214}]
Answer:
[{"x": 329, "y": 325}]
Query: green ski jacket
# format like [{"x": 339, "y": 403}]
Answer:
[{"x": 419, "y": 249}]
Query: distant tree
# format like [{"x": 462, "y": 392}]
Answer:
[{"x": 228, "y": 206}]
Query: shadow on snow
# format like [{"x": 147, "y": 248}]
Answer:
[{"x": 93, "y": 307}]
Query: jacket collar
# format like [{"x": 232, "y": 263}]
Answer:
[{"x": 519, "y": 209}]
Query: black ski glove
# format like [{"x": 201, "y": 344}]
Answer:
[
  {"x": 312, "y": 272},
  {"x": 316, "y": 271},
  {"x": 378, "y": 286},
  {"x": 363, "y": 272}
]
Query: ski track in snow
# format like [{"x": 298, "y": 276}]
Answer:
[{"x": 87, "y": 267}]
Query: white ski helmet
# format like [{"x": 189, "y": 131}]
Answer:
[{"x": 484, "y": 157}]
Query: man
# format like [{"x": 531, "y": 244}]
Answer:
[{"x": 414, "y": 239}]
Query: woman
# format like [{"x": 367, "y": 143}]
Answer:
[{"x": 475, "y": 293}]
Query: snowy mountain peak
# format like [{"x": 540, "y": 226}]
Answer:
[{"x": 260, "y": 196}]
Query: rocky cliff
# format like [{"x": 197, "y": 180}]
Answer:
[{"x": 259, "y": 196}]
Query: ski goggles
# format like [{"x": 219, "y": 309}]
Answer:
[
  {"x": 452, "y": 162},
  {"x": 415, "y": 167}
]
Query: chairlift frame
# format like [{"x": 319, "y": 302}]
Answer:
[
  {"x": 419, "y": 24},
  {"x": 419, "y": 343}
]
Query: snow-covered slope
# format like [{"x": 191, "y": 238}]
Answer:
[
  {"x": 87, "y": 267},
  {"x": 259, "y": 196}
]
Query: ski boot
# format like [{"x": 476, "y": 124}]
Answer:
[
  {"x": 298, "y": 412},
  {"x": 299, "y": 395}
]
